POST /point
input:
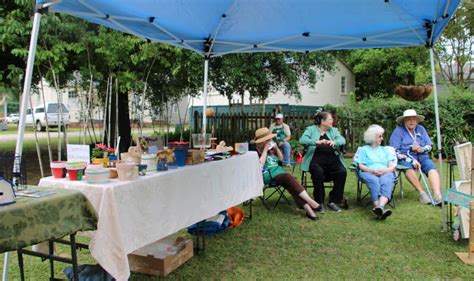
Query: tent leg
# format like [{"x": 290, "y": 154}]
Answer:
[
  {"x": 204, "y": 106},
  {"x": 438, "y": 132},
  {"x": 27, "y": 83},
  {"x": 6, "y": 261}
]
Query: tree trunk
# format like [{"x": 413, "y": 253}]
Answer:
[{"x": 124, "y": 122}]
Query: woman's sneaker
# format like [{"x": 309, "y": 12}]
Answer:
[
  {"x": 424, "y": 198},
  {"x": 438, "y": 200},
  {"x": 386, "y": 214},
  {"x": 378, "y": 211},
  {"x": 334, "y": 207}
]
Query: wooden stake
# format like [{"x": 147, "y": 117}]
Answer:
[{"x": 468, "y": 258}]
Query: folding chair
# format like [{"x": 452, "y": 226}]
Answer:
[
  {"x": 278, "y": 192},
  {"x": 361, "y": 183},
  {"x": 328, "y": 183}
]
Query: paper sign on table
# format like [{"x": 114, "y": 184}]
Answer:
[{"x": 78, "y": 153}]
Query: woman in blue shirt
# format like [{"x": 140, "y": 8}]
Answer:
[
  {"x": 413, "y": 145},
  {"x": 376, "y": 165}
]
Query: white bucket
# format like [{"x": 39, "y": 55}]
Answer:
[{"x": 150, "y": 161}]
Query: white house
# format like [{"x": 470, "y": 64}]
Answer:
[{"x": 333, "y": 89}]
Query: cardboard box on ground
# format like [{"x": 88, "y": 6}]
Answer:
[{"x": 161, "y": 258}]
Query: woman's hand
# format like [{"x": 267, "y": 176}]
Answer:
[
  {"x": 326, "y": 142},
  {"x": 416, "y": 164}
]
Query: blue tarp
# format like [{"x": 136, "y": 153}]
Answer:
[{"x": 218, "y": 27}]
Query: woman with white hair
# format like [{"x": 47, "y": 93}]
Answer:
[{"x": 376, "y": 164}]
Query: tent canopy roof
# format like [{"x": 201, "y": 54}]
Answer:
[{"x": 218, "y": 27}]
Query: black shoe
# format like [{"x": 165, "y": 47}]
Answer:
[
  {"x": 386, "y": 214},
  {"x": 334, "y": 207},
  {"x": 378, "y": 211},
  {"x": 312, "y": 218},
  {"x": 320, "y": 209}
]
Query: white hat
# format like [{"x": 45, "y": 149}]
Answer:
[
  {"x": 279, "y": 116},
  {"x": 410, "y": 113}
]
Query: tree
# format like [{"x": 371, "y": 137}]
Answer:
[
  {"x": 379, "y": 71},
  {"x": 455, "y": 46}
]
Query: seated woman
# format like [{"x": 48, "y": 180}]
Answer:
[
  {"x": 412, "y": 143},
  {"x": 323, "y": 159},
  {"x": 376, "y": 164},
  {"x": 270, "y": 155}
]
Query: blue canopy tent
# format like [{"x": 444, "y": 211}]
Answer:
[{"x": 217, "y": 27}]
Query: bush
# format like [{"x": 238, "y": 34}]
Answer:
[{"x": 456, "y": 112}]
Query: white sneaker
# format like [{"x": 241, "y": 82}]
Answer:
[
  {"x": 424, "y": 198},
  {"x": 438, "y": 200}
]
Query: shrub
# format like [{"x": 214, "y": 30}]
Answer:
[{"x": 456, "y": 112}]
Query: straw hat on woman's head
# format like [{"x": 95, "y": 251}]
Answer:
[
  {"x": 263, "y": 134},
  {"x": 410, "y": 113}
]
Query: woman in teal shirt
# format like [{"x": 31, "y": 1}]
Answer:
[
  {"x": 376, "y": 164},
  {"x": 270, "y": 156},
  {"x": 323, "y": 159}
]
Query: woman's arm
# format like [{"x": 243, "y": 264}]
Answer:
[
  {"x": 278, "y": 152},
  {"x": 364, "y": 168},
  {"x": 391, "y": 167},
  {"x": 307, "y": 138},
  {"x": 338, "y": 138},
  {"x": 263, "y": 156}
]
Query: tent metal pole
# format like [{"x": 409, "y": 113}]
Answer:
[
  {"x": 204, "y": 106},
  {"x": 438, "y": 131},
  {"x": 27, "y": 83},
  {"x": 24, "y": 102}
]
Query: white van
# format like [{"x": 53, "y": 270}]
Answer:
[{"x": 52, "y": 111}]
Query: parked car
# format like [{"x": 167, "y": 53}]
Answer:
[
  {"x": 37, "y": 119},
  {"x": 13, "y": 118}
]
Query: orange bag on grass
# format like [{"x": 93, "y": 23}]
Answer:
[{"x": 236, "y": 216}]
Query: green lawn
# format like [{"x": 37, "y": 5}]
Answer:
[
  {"x": 13, "y": 129},
  {"x": 284, "y": 244}
]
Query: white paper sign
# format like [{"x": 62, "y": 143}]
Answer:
[{"x": 78, "y": 153}]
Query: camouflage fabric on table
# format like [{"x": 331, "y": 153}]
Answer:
[{"x": 33, "y": 220}]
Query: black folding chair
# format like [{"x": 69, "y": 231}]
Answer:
[{"x": 275, "y": 190}]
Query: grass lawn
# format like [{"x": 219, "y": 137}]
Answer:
[{"x": 284, "y": 244}]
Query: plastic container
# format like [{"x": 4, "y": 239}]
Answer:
[
  {"x": 150, "y": 161},
  {"x": 180, "y": 152},
  {"x": 201, "y": 141},
  {"x": 97, "y": 176},
  {"x": 103, "y": 161},
  {"x": 75, "y": 170},
  {"x": 127, "y": 171},
  {"x": 58, "y": 168},
  {"x": 142, "y": 168}
]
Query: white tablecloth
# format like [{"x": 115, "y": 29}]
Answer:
[{"x": 133, "y": 214}]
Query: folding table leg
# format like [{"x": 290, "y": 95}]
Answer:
[
  {"x": 51, "y": 260},
  {"x": 20, "y": 265},
  {"x": 200, "y": 238},
  {"x": 72, "y": 238}
]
